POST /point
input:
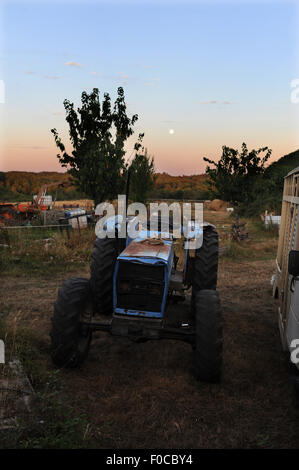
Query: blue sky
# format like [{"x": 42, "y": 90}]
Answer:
[{"x": 216, "y": 73}]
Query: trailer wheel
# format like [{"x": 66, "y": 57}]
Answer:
[
  {"x": 70, "y": 340},
  {"x": 208, "y": 344},
  {"x": 103, "y": 260}
]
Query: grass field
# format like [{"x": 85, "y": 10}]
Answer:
[{"x": 130, "y": 395}]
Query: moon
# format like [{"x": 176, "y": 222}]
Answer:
[{"x": 171, "y": 131}]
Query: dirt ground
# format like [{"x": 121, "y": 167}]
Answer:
[{"x": 144, "y": 395}]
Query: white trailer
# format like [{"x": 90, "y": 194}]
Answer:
[{"x": 285, "y": 282}]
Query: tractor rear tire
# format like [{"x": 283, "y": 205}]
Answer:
[
  {"x": 69, "y": 341},
  {"x": 103, "y": 260},
  {"x": 208, "y": 344},
  {"x": 205, "y": 265}
]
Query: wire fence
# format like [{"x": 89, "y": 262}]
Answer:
[{"x": 49, "y": 243}]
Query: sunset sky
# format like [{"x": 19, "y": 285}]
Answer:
[{"x": 199, "y": 75}]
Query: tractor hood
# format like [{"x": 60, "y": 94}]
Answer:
[{"x": 148, "y": 251}]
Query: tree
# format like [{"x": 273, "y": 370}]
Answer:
[
  {"x": 98, "y": 135},
  {"x": 142, "y": 176},
  {"x": 2, "y": 178},
  {"x": 236, "y": 174}
]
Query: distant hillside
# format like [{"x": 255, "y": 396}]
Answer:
[
  {"x": 21, "y": 185},
  {"x": 29, "y": 182},
  {"x": 279, "y": 169},
  {"x": 181, "y": 187}
]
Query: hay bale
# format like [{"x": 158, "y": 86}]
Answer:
[
  {"x": 206, "y": 205},
  {"x": 218, "y": 205}
]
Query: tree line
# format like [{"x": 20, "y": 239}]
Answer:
[{"x": 20, "y": 186}]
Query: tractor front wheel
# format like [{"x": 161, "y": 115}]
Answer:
[
  {"x": 70, "y": 338},
  {"x": 208, "y": 337}
]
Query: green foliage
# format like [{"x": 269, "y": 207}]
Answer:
[
  {"x": 236, "y": 173},
  {"x": 267, "y": 193},
  {"x": 243, "y": 179},
  {"x": 71, "y": 194},
  {"x": 19, "y": 186},
  {"x": 2, "y": 177},
  {"x": 276, "y": 172},
  {"x": 142, "y": 177},
  {"x": 6, "y": 195},
  {"x": 97, "y": 134}
]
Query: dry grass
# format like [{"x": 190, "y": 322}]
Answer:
[
  {"x": 82, "y": 203},
  {"x": 144, "y": 395},
  {"x": 34, "y": 251}
]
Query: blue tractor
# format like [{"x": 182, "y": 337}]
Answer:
[{"x": 135, "y": 290}]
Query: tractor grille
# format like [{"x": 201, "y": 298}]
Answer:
[{"x": 140, "y": 286}]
